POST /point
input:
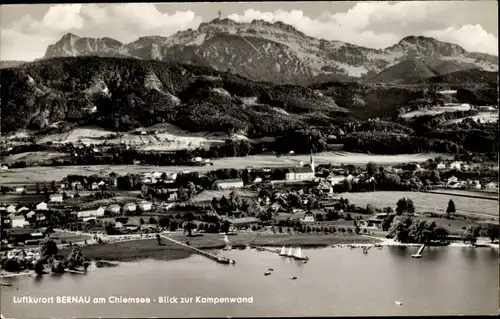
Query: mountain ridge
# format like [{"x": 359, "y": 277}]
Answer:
[{"x": 290, "y": 55}]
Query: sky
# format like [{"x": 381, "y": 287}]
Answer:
[{"x": 26, "y": 30}]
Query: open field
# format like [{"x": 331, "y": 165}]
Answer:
[
  {"x": 458, "y": 192},
  {"x": 207, "y": 196},
  {"x": 428, "y": 202},
  {"x": 149, "y": 248},
  {"x": 162, "y": 136},
  {"x": 33, "y": 157},
  {"x": 488, "y": 117},
  {"x": 436, "y": 110},
  {"x": 133, "y": 250},
  {"x": 34, "y": 174}
]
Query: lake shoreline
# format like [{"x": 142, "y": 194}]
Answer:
[{"x": 135, "y": 250}]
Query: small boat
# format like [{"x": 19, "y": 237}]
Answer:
[
  {"x": 298, "y": 255},
  {"x": 267, "y": 273},
  {"x": 283, "y": 251},
  {"x": 289, "y": 252},
  {"x": 293, "y": 278},
  {"x": 305, "y": 262},
  {"x": 399, "y": 303},
  {"x": 260, "y": 249},
  {"x": 271, "y": 269}
]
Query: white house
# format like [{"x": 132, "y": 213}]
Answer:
[
  {"x": 40, "y": 217},
  {"x": 456, "y": 165},
  {"x": 475, "y": 184},
  {"x": 229, "y": 183},
  {"x": 308, "y": 218},
  {"x": 41, "y": 206},
  {"x": 257, "y": 180},
  {"x": 11, "y": 209},
  {"x": 20, "y": 189},
  {"x": 452, "y": 180},
  {"x": 30, "y": 214},
  {"x": 115, "y": 209},
  {"x": 157, "y": 174},
  {"x": 94, "y": 186},
  {"x": 300, "y": 174},
  {"x": 56, "y": 198},
  {"x": 325, "y": 187},
  {"x": 146, "y": 206},
  {"x": 18, "y": 221},
  {"x": 99, "y": 212},
  {"x": 335, "y": 179},
  {"x": 4, "y": 167},
  {"x": 441, "y": 166},
  {"x": 130, "y": 207},
  {"x": 101, "y": 183}
]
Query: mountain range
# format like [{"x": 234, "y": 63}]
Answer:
[
  {"x": 256, "y": 79},
  {"x": 279, "y": 53}
]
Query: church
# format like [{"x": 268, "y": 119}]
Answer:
[{"x": 304, "y": 173}]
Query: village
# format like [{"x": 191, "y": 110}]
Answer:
[{"x": 302, "y": 199}]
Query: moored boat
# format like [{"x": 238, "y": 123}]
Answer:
[
  {"x": 298, "y": 255},
  {"x": 283, "y": 251},
  {"x": 289, "y": 253}
]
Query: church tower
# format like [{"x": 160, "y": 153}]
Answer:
[{"x": 311, "y": 163}]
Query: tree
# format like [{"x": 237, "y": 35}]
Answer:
[
  {"x": 493, "y": 232},
  {"x": 38, "y": 188},
  {"x": 451, "y": 208},
  {"x": 471, "y": 233},
  {"x": 405, "y": 205},
  {"x": 387, "y": 222},
  {"x": 53, "y": 186},
  {"x": 225, "y": 227},
  {"x": 141, "y": 221},
  {"x": 164, "y": 221},
  {"x": 182, "y": 194},
  {"x": 152, "y": 220},
  {"x": 371, "y": 168},
  {"x": 357, "y": 230}
]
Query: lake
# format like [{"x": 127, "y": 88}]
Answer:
[{"x": 335, "y": 282}]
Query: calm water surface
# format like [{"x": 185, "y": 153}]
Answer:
[{"x": 338, "y": 281}]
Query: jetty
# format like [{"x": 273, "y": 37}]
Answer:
[
  {"x": 219, "y": 259},
  {"x": 260, "y": 248}
]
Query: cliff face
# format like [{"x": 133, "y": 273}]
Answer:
[{"x": 272, "y": 52}]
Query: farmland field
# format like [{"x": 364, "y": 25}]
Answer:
[
  {"x": 436, "y": 110},
  {"x": 33, "y": 157},
  {"x": 208, "y": 195},
  {"x": 480, "y": 193},
  {"x": 162, "y": 136},
  {"x": 34, "y": 174},
  {"x": 482, "y": 116},
  {"x": 427, "y": 202}
]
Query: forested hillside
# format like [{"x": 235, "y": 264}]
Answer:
[{"x": 126, "y": 93}]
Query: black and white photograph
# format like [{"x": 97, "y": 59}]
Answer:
[{"x": 249, "y": 159}]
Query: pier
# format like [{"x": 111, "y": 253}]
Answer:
[
  {"x": 276, "y": 251},
  {"x": 222, "y": 260}
]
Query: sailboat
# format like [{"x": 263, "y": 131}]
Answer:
[
  {"x": 298, "y": 255},
  {"x": 283, "y": 251},
  {"x": 228, "y": 243},
  {"x": 289, "y": 252}
]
